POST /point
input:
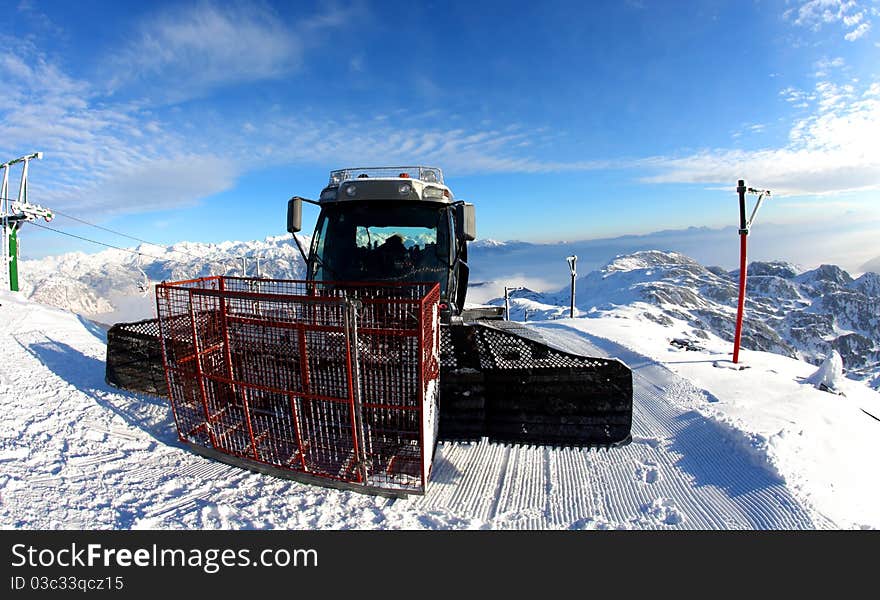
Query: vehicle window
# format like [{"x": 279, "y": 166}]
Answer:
[{"x": 383, "y": 243}]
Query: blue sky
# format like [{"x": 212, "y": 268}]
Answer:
[{"x": 562, "y": 120}]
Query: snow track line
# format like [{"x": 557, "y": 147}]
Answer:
[{"x": 683, "y": 470}]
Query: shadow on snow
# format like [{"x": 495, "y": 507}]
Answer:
[{"x": 85, "y": 373}]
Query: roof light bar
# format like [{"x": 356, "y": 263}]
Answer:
[{"x": 426, "y": 174}]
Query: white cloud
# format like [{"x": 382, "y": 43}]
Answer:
[
  {"x": 104, "y": 157},
  {"x": 825, "y": 65},
  {"x": 154, "y": 184},
  {"x": 834, "y": 62},
  {"x": 108, "y": 156},
  {"x": 858, "y": 32},
  {"x": 798, "y": 98},
  {"x": 830, "y": 151},
  {"x": 98, "y": 158},
  {"x": 205, "y": 45},
  {"x": 400, "y": 136},
  {"x": 186, "y": 51},
  {"x": 853, "y": 15},
  {"x": 850, "y": 20}
]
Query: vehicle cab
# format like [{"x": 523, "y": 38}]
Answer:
[{"x": 390, "y": 224}]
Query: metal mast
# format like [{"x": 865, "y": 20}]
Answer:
[
  {"x": 745, "y": 226},
  {"x": 13, "y": 213}
]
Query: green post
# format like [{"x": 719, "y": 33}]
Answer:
[{"x": 13, "y": 260}]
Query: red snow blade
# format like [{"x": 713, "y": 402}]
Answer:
[{"x": 327, "y": 382}]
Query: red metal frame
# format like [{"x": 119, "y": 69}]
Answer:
[{"x": 320, "y": 378}]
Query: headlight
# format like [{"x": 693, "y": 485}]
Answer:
[
  {"x": 404, "y": 189},
  {"x": 351, "y": 190}
]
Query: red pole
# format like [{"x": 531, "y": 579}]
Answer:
[
  {"x": 742, "y": 295},
  {"x": 743, "y": 237}
]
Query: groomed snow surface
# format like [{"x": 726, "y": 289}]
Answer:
[{"x": 712, "y": 448}]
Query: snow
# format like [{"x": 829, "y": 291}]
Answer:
[
  {"x": 829, "y": 376},
  {"x": 822, "y": 445},
  {"x": 712, "y": 448}
]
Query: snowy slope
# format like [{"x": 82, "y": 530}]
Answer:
[
  {"x": 713, "y": 448},
  {"x": 819, "y": 443}
]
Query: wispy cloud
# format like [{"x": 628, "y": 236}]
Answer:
[
  {"x": 405, "y": 138},
  {"x": 854, "y": 16},
  {"x": 858, "y": 32},
  {"x": 155, "y": 183},
  {"x": 825, "y": 65},
  {"x": 105, "y": 155},
  {"x": 108, "y": 157},
  {"x": 829, "y": 151},
  {"x": 38, "y": 19},
  {"x": 186, "y": 51},
  {"x": 100, "y": 157}
]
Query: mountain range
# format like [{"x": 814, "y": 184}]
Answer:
[{"x": 789, "y": 310}]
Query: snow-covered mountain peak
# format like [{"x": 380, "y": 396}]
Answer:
[
  {"x": 797, "y": 313},
  {"x": 869, "y": 284},
  {"x": 649, "y": 259},
  {"x": 487, "y": 243},
  {"x": 826, "y": 274},
  {"x": 782, "y": 269}
]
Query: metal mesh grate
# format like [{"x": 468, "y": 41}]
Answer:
[
  {"x": 506, "y": 345},
  {"x": 447, "y": 349},
  {"x": 332, "y": 380}
]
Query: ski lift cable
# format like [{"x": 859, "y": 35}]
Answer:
[
  {"x": 137, "y": 239},
  {"x": 85, "y": 239},
  {"x": 129, "y": 250},
  {"x": 84, "y": 222}
]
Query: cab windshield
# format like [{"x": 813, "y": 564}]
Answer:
[{"x": 382, "y": 242}]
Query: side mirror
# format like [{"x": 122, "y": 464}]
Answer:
[
  {"x": 294, "y": 214},
  {"x": 466, "y": 221}
]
